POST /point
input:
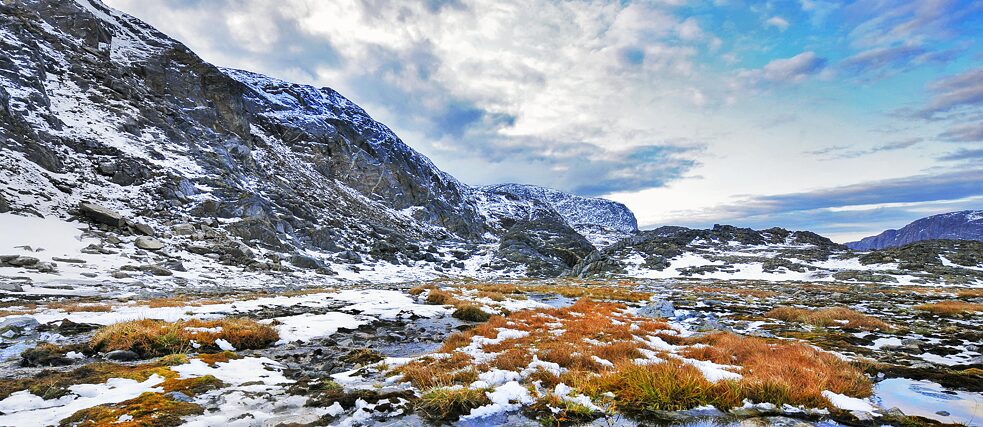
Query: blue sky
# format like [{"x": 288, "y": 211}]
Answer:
[{"x": 844, "y": 118}]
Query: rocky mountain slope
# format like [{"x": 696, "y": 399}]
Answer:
[
  {"x": 963, "y": 225},
  {"x": 97, "y": 106}
]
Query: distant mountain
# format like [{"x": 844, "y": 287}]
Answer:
[{"x": 963, "y": 225}]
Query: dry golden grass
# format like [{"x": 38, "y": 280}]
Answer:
[
  {"x": 622, "y": 291},
  {"x": 831, "y": 316},
  {"x": 150, "y": 338},
  {"x": 445, "y": 404},
  {"x": 970, "y": 293},
  {"x": 598, "y": 344},
  {"x": 949, "y": 308}
]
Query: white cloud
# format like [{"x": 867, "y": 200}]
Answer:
[
  {"x": 777, "y": 22},
  {"x": 787, "y": 70}
]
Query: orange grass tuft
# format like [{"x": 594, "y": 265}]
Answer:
[
  {"x": 949, "y": 308},
  {"x": 832, "y": 316}
]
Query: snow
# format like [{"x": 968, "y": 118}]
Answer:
[
  {"x": 23, "y": 408},
  {"x": 848, "y": 403},
  {"x": 506, "y": 397},
  {"x": 224, "y": 345},
  {"x": 307, "y": 326},
  {"x": 236, "y": 371}
]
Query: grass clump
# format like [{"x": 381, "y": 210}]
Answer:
[
  {"x": 147, "y": 410},
  {"x": 151, "y": 338},
  {"x": 75, "y": 307},
  {"x": 449, "y": 403},
  {"x": 831, "y": 316},
  {"x": 471, "y": 313},
  {"x": 667, "y": 386},
  {"x": 950, "y": 308}
]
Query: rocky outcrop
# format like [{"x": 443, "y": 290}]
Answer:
[{"x": 964, "y": 225}]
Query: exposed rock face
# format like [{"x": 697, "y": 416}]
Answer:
[
  {"x": 656, "y": 247},
  {"x": 102, "y": 114},
  {"x": 578, "y": 212},
  {"x": 964, "y": 225}
]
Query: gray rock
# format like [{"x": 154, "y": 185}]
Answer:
[
  {"x": 291, "y": 420},
  {"x": 144, "y": 229},
  {"x": 45, "y": 267},
  {"x": 19, "y": 322},
  {"x": 101, "y": 214},
  {"x": 149, "y": 243},
  {"x": 11, "y": 287},
  {"x": 107, "y": 167},
  {"x": 120, "y": 275},
  {"x": 178, "y": 396},
  {"x": 183, "y": 230},
  {"x": 122, "y": 356},
  {"x": 68, "y": 260},
  {"x": 23, "y": 261},
  {"x": 659, "y": 308},
  {"x": 156, "y": 270},
  {"x": 306, "y": 262}
]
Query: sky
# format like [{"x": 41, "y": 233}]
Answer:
[{"x": 844, "y": 118}]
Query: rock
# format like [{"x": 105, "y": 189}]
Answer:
[
  {"x": 101, "y": 214},
  {"x": 149, "y": 243},
  {"x": 711, "y": 323},
  {"x": 68, "y": 260},
  {"x": 23, "y": 261},
  {"x": 894, "y": 412},
  {"x": 183, "y": 229},
  {"x": 863, "y": 415},
  {"x": 156, "y": 270},
  {"x": 20, "y": 325},
  {"x": 659, "y": 308},
  {"x": 44, "y": 355},
  {"x": 122, "y": 356},
  {"x": 120, "y": 275},
  {"x": 11, "y": 287},
  {"x": 45, "y": 267},
  {"x": 306, "y": 262},
  {"x": 107, "y": 168},
  {"x": 144, "y": 229},
  {"x": 178, "y": 396},
  {"x": 291, "y": 420},
  {"x": 943, "y": 413}
]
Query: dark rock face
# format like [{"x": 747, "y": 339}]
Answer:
[
  {"x": 547, "y": 247},
  {"x": 660, "y": 245},
  {"x": 575, "y": 210},
  {"x": 135, "y": 122},
  {"x": 964, "y": 225}
]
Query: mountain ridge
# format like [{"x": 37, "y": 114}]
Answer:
[{"x": 960, "y": 225}]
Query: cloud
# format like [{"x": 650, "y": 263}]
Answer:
[
  {"x": 972, "y": 132},
  {"x": 964, "y": 90},
  {"x": 845, "y": 152},
  {"x": 777, "y": 22},
  {"x": 972, "y": 155},
  {"x": 788, "y": 70},
  {"x": 779, "y": 209},
  {"x": 890, "y": 60}
]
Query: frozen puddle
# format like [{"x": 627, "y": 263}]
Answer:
[{"x": 930, "y": 400}]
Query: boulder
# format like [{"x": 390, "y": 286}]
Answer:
[
  {"x": 23, "y": 261},
  {"x": 122, "y": 356},
  {"x": 659, "y": 308},
  {"x": 156, "y": 270},
  {"x": 149, "y": 243},
  {"x": 183, "y": 229},
  {"x": 143, "y": 229},
  {"x": 101, "y": 214},
  {"x": 11, "y": 287}
]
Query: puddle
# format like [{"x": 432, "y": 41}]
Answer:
[
  {"x": 930, "y": 400},
  {"x": 553, "y": 300}
]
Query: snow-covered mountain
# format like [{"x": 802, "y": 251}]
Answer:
[
  {"x": 963, "y": 225},
  {"x": 97, "y": 106},
  {"x": 601, "y": 221}
]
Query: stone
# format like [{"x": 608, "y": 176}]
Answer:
[
  {"x": 68, "y": 260},
  {"x": 23, "y": 261},
  {"x": 45, "y": 267},
  {"x": 306, "y": 262},
  {"x": 120, "y": 275},
  {"x": 107, "y": 167},
  {"x": 122, "y": 356},
  {"x": 149, "y": 243},
  {"x": 659, "y": 308},
  {"x": 291, "y": 420},
  {"x": 156, "y": 270},
  {"x": 183, "y": 229},
  {"x": 143, "y": 229},
  {"x": 178, "y": 396},
  {"x": 11, "y": 287},
  {"x": 101, "y": 214}
]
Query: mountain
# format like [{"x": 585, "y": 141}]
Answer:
[
  {"x": 963, "y": 225},
  {"x": 601, "y": 221},
  {"x": 100, "y": 109}
]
